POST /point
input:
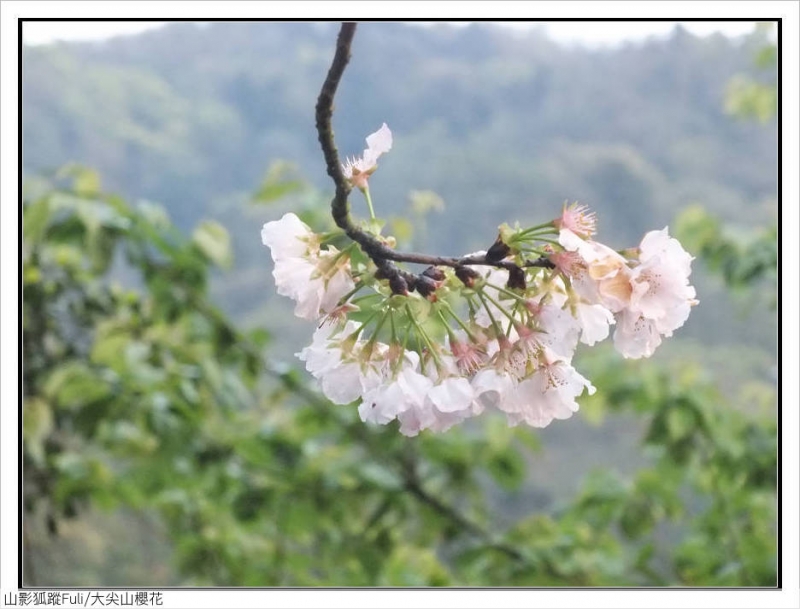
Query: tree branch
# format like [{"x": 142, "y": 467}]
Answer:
[
  {"x": 413, "y": 485},
  {"x": 382, "y": 255},
  {"x": 340, "y": 208}
]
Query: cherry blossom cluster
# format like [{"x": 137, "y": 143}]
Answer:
[{"x": 492, "y": 332}]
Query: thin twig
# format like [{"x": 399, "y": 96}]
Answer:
[
  {"x": 413, "y": 485},
  {"x": 381, "y": 254}
]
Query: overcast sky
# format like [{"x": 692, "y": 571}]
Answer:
[{"x": 572, "y": 32}]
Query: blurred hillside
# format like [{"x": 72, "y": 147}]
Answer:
[{"x": 503, "y": 125}]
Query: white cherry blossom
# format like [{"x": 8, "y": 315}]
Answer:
[
  {"x": 660, "y": 283},
  {"x": 325, "y": 351},
  {"x": 342, "y": 365},
  {"x": 405, "y": 391},
  {"x": 315, "y": 279},
  {"x": 595, "y": 322},
  {"x": 446, "y": 404},
  {"x": 289, "y": 237},
  {"x": 491, "y": 387},
  {"x": 556, "y": 329},
  {"x": 512, "y": 353},
  {"x": 549, "y": 393},
  {"x": 357, "y": 170},
  {"x": 577, "y": 219},
  {"x": 635, "y": 336},
  {"x": 661, "y": 297},
  {"x": 603, "y": 277}
]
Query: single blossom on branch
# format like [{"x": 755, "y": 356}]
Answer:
[
  {"x": 495, "y": 330},
  {"x": 358, "y": 169}
]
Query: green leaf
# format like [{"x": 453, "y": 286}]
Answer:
[
  {"x": 594, "y": 409},
  {"x": 110, "y": 351},
  {"x": 767, "y": 57},
  {"x": 85, "y": 181},
  {"x": 127, "y": 438},
  {"x": 681, "y": 422},
  {"x": 644, "y": 554},
  {"x": 498, "y": 434},
  {"x": 401, "y": 229},
  {"x": 695, "y": 227},
  {"x": 374, "y": 226},
  {"x": 413, "y": 566},
  {"x": 153, "y": 214},
  {"x": 214, "y": 242},
  {"x": 637, "y": 517},
  {"x": 507, "y": 468},
  {"x": 746, "y": 98},
  {"x": 425, "y": 201},
  {"x": 260, "y": 336},
  {"x": 37, "y": 423},
  {"x": 528, "y": 438},
  {"x": 31, "y": 275},
  {"x": 421, "y": 308},
  {"x": 35, "y": 218},
  {"x": 300, "y": 519},
  {"x": 282, "y": 179},
  {"x": 380, "y": 476},
  {"x": 81, "y": 475},
  {"x": 74, "y": 385}
]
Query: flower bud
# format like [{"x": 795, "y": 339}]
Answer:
[
  {"x": 426, "y": 287},
  {"x": 467, "y": 275},
  {"x": 434, "y": 273},
  {"x": 498, "y": 251},
  {"x": 516, "y": 278},
  {"x": 398, "y": 285}
]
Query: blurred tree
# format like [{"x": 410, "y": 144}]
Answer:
[
  {"x": 751, "y": 97},
  {"x": 153, "y": 398},
  {"x": 745, "y": 257},
  {"x": 148, "y": 396}
]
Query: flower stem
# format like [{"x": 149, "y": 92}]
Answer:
[
  {"x": 399, "y": 361},
  {"x": 369, "y": 203},
  {"x": 426, "y": 339},
  {"x": 511, "y": 321},
  {"x": 497, "y": 304},
  {"x": 374, "y": 336},
  {"x": 545, "y": 229},
  {"x": 363, "y": 325},
  {"x": 351, "y": 293},
  {"x": 498, "y": 330},
  {"x": 368, "y": 297},
  {"x": 447, "y": 327},
  {"x": 551, "y": 241},
  {"x": 540, "y": 227},
  {"x": 459, "y": 321},
  {"x": 394, "y": 330},
  {"x": 506, "y": 291}
]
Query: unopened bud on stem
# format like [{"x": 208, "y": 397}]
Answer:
[
  {"x": 434, "y": 273},
  {"x": 426, "y": 287},
  {"x": 398, "y": 285},
  {"x": 467, "y": 275},
  {"x": 516, "y": 278},
  {"x": 498, "y": 251}
]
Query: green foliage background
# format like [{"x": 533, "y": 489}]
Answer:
[{"x": 168, "y": 436}]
